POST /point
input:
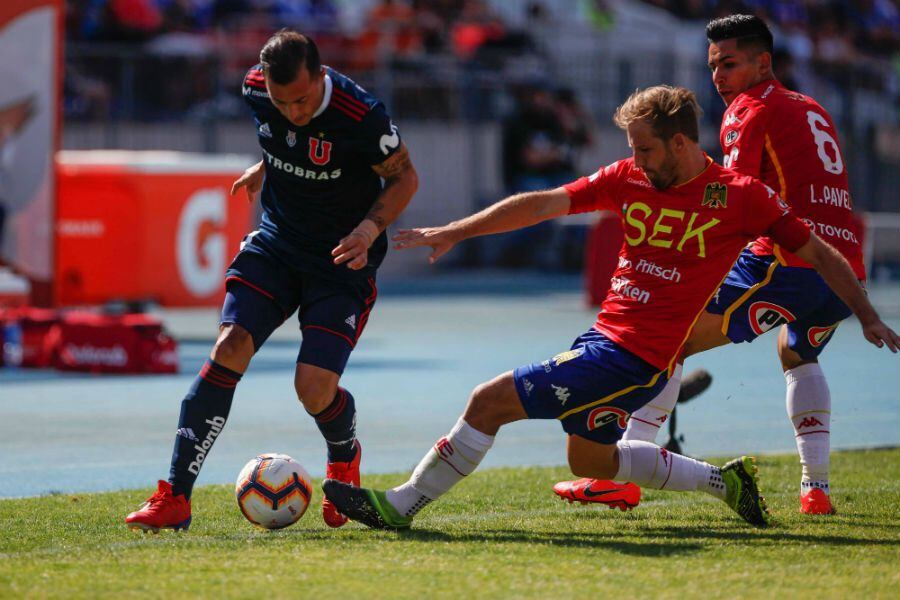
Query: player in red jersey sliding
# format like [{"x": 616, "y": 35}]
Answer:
[
  {"x": 788, "y": 141},
  {"x": 685, "y": 222}
]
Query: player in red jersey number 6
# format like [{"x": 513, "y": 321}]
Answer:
[
  {"x": 790, "y": 143},
  {"x": 680, "y": 210}
]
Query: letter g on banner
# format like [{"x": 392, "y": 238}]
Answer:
[{"x": 200, "y": 249}]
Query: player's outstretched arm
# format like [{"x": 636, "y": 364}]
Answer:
[
  {"x": 400, "y": 184},
  {"x": 514, "y": 212},
  {"x": 837, "y": 273},
  {"x": 251, "y": 180}
]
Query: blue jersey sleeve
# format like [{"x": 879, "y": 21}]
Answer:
[{"x": 381, "y": 138}]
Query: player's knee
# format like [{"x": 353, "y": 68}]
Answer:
[
  {"x": 480, "y": 401},
  {"x": 234, "y": 347},
  {"x": 315, "y": 393},
  {"x": 485, "y": 410}
]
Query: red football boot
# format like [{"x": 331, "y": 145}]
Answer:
[
  {"x": 623, "y": 496},
  {"x": 162, "y": 510},
  {"x": 816, "y": 502},
  {"x": 348, "y": 472}
]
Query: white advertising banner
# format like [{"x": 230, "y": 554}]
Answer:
[{"x": 29, "y": 88}]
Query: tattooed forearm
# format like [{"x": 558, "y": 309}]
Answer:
[
  {"x": 395, "y": 165},
  {"x": 375, "y": 215},
  {"x": 401, "y": 182}
]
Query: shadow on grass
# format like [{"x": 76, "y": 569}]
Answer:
[
  {"x": 564, "y": 539},
  {"x": 772, "y": 534}
]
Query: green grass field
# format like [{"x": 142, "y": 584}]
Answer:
[{"x": 500, "y": 534}]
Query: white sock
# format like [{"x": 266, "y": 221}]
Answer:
[
  {"x": 809, "y": 408},
  {"x": 645, "y": 422},
  {"x": 653, "y": 467},
  {"x": 453, "y": 457}
]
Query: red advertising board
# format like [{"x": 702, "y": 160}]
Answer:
[{"x": 156, "y": 226}]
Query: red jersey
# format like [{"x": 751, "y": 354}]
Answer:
[
  {"x": 679, "y": 245},
  {"x": 789, "y": 142}
]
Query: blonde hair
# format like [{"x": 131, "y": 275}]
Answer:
[{"x": 668, "y": 110}]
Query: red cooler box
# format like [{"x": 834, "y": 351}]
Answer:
[{"x": 157, "y": 226}]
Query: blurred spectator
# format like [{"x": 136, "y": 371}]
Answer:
[
  {"x": 390, "y": 32},
  {"x": 128, "y": 20},
  {"x": 783, "y": 67},
  {"x": 537, "y": 154},
  {"x": 316, "y": 17},
  {"x": 577, "y": 123},
  {"x": 85, "y": 97},
  {"x": 432, "y": 20},
  {"x": 537, "y": 149},
  {"x": 476, "y": 26}
]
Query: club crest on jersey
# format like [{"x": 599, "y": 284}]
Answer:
[
  {"x": 605, "y": 415},
  {"x": 319, "y": 151},
  {"x": 816, "y": 336},
  {"x": 731, "y": 136},
  {"x": 291, "y": 138},
  {"x": 567, "y": 356},
  {"x": 715, "y": 195},
  {"x": 765, "y": 315}
]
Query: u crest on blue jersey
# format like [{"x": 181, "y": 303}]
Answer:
[
  {"x": 291, "y": 138},
  {"x": 319, "y": 151}
]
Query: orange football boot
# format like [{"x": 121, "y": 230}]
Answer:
[
  {"x": 623, "y": 496},
  {"x": 162, "y": 510},
  {"x": 816, "y": 502},
  {"x": 348, "y": 472}
]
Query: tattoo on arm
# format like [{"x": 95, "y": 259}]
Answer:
[
  {"x": 397, "y": 172},
  {"x": 375, "y": 216},
  {"x": 394, "y": 165}
]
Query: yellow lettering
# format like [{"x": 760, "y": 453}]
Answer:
[
  {"x": 637, "y": 223},
  {"x": 697, "y": 233},
  {"x": 658, "y": 227}
]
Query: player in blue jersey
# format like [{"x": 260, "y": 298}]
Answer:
[{"x": 327, "y": 144}]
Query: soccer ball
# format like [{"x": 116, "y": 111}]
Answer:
[{"x": 273, "y": 491}]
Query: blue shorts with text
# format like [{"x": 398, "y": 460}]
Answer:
[
  {"x": 262, "y": 292},
  {"x": 760, "y": 294},
  {"x": 592, "y": 388}
]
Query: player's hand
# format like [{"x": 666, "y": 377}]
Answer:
[
  {"x": 354, "y": 249},
  {"x": 441, "y": 240},
  {"x": 880, "y": 334},
  {"x": 251, "y": 180}
]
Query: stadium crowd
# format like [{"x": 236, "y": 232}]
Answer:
[{"x": 217, "y": 38}]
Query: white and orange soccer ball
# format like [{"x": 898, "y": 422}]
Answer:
[{"x": 273, "y": 491}]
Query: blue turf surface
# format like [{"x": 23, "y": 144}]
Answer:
[{"x": 423, "y": 352}]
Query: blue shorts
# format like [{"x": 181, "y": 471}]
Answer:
[
  {"x": 262, "y": 292},
  {"x": 759, "y": 294},
  {"x": 592, "y": 389}
]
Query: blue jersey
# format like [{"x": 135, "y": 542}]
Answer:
[{"x": 319, "y": 180}]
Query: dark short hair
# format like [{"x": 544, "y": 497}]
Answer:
[
  {"x": 285, "y": 52},
  {"x": 668, "y": 110},
  {"x": 750, "y": 31}
]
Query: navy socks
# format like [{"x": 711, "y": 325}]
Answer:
[
  {"x": 204, "y": 411},
  {"x": 338, "y": 426}
]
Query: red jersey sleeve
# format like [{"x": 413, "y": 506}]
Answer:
[
  {"x": 745, "y": 151},
  {"x": 596, "y": 192},
  {"x": 765, "y": 213}
]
